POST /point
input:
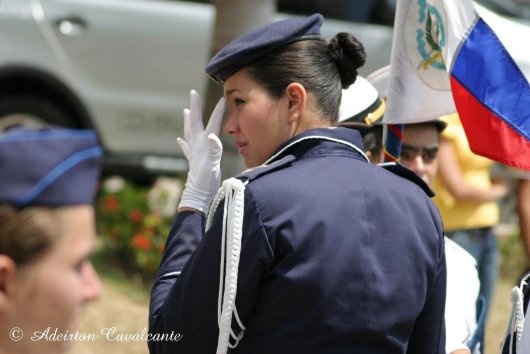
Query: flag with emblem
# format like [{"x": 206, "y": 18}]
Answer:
[{"x": 445, "y": 58}]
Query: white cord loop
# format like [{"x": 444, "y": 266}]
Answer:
[
  {"x": 516, "y": 324},
  {"x": 232, "y": 191}
]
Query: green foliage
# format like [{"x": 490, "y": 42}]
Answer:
[{"x": 133, "y": 222}]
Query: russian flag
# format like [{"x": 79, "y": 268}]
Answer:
[
  {"x": 492, "y": 98},
  {"x": 445, "y": 58}
]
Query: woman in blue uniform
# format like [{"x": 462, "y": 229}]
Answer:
[{"x": 311, "y": 250}]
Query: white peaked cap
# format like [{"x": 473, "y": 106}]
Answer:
[
  {"x": 357, "y": 98},
  {"x": 380, "y": 80}
]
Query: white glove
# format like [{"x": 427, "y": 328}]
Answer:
[{"x": 203, "y": 149}]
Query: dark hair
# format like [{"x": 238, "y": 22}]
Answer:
[
  {"x": 373, "y": 140},
  {"x": 323, "y": 69}
]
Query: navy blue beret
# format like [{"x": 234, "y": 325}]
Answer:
[
  {"x": 51, "y": 167},
  {"x": 248, "y": 48}
]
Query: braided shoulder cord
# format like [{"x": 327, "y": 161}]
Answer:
[
  {"x": 516, "y": 323},
  {"x": 232, "y": 191}
]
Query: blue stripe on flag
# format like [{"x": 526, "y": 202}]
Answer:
[{"x": 486, "y": 69}]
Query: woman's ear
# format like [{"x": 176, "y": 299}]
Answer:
[
  {"x": 7, "y": 272},
  {"x": 297, "y": 99}
]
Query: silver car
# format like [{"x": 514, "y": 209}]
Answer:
[{"x": 122, "y": 67}]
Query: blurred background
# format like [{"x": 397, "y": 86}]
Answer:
[{"x": 125, "y": 67}]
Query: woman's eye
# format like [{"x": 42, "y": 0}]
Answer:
[
  {"x": 405, "y": 155},
  {"x": 78, "y": 267},
  {"x": 238, "y": 101}
]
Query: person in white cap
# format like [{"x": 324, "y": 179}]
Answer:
[{"x": 362, "y": 109}]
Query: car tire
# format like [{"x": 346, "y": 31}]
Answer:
[{"x": 32, "y": 112}]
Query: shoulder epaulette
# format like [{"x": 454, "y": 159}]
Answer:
[
  {"x": 404, "y": 172},
  {"x": 256, "y": 172}
]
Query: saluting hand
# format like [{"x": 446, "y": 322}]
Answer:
[{"x": 203, "y": 149}]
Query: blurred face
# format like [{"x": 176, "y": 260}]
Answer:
[
  {"x": 419, "y": 150},
  {"x": 257, "y": 122},
  {"x": 52, "y": 291}
]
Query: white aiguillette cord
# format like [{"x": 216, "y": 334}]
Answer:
[
  {"x": 233, "y": 192},
  {"x": 517, "y": 321}
]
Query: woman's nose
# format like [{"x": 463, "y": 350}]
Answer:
[
  {"x": 418, "y": 165},
  {"x": 91, "y": 283},
  {"x": 230, "y": 126}
]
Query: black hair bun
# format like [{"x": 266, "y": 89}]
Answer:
[{"x": 349, "y": 55}]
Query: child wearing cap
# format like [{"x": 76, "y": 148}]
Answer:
[
  {"x": 361, "y": 108},
  {"x": 48, "y": 180},
  {"x": 312, "y": 249}
]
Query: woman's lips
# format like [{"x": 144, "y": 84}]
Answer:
[{"x": 241, "y": 147}]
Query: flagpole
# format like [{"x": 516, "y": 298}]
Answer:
[{"x": 393, "y": 137}]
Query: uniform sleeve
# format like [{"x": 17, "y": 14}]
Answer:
[
  {"x": 185, "y": 234},
  {"x": 184, "y": 297},
  {"x": 428, "y": 334}
]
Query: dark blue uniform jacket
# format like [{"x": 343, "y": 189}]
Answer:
[{"x": 338, "y": 256}]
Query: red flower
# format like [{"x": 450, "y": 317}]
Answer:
[
  {"x": 140, "y": 242},
  {"x": 111, "y": 203},
  {"x": 136, "y": 216}
]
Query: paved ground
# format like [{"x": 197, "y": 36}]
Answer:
[{"x": 496, "y": 326}]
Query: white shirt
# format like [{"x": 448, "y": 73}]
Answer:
[{"x": 463, "y": 286}]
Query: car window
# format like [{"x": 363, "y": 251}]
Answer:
[
  {"x": 512, "y": 8},
  {"x": 380, "y": 11},
  {"x": 366, "y": 11},
  {"x": 200, "y": 1}
]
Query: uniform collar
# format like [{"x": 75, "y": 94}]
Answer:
[{"x": 347, "y": 139}]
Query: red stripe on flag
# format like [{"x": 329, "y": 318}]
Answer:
[
  {"x": 487, "y": 134},
  {"x": 396, "y": 130}
]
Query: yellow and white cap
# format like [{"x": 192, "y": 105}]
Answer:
[{"x": 361, "y": 104}]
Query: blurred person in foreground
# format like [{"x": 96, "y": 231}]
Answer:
[
  {"x": 362, "y": 109},
  {"x": 48, "y": 180},
  {"x": 293, "y": 256}
]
